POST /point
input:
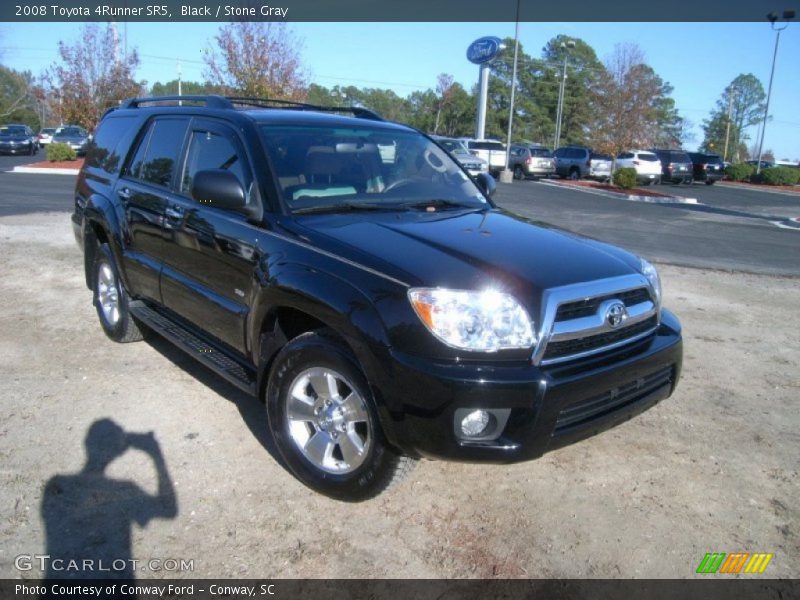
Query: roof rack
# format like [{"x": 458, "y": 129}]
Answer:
[
  {"x": 230, "y": 102},
  {"x": 356, "y": 111}
]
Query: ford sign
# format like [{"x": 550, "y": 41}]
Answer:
[{"x": 483, "y": 50}]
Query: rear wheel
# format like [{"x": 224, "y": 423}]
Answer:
[
  {"x": 518, "y": 172},
  {"x": 709, "y": 182},
  {"x": 574, "y": 174},
  {"x": 324, "y": 421},
  {"x": 111, "y": 300}
]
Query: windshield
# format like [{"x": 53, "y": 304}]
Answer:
[
  {"x": 6, "y": 131},
  {"x": 320, "y": 167},
  {"x": 453, "y": 147},
  {"x": 70, "y": 131}
]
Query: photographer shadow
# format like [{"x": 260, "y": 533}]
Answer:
[{"x": 88, "y": 516}]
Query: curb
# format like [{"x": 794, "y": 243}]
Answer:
[
  {"x": 735, "y": 186},
  {"x": 628, "y": 197},
  {"x": 45, "y": 171}
]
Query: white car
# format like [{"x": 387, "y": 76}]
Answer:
[
  {"x": 46, "y": 135},
  {"x": 646, "y": 163},
  {"x": 492, "y": 151}
]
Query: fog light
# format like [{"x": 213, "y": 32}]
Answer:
[{"x": 475, "y": 423}]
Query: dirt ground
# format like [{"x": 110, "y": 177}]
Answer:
[{"x": 712, "y": 469}]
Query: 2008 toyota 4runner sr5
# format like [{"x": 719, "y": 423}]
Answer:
[{"x": 346, "y": 270}]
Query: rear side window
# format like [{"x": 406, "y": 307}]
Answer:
[
  {"x": 210, "y": 150},
  {"x": 103, "y": 149},
  {"x": 158, "y": 151},
  {"x": 486, "y": 146},
  {"x": 541, "y": 152}
]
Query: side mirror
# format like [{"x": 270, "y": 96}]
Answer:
[
  {"x": 487, "y": 183},
  {"x": 218, "y": 187}
]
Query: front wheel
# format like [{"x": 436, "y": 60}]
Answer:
[
  {"x": 709, "y": 182},
  {"x": 324, "y": 422}
]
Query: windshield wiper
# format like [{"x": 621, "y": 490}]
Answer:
[
  {"x": 347, "y": 207},
  {"x": 441, "y": 203}
]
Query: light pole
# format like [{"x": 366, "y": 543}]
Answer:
[
  {"x": 506, "y": 176},
  {"x": 560, "y": 109},
  {"x": 731, "y": 94},
  {"x": 773, "y": 18}
]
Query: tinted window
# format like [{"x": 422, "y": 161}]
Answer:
[
  {"x": 210, "y": 150},
  {"x": 712, "y": 158},
  {"x": 486, "y": 146},
  {"x": 71, "y": 131},
  {"x": 648, "y": 156},
  {"x": 102, "y": 151},
  {"x": 681, "y": 157},
  {"x": 541, "y": 152},
  {"x": 596, "y": 156},
  {"x": 12, "y": 131},
  {"x": 625, "y": 155},
  {"x": 560, "y": 153},
  {"x": 576, "y": 153},
  {"x": 156, "y": 164}
]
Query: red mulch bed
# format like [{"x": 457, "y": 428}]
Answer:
[
  {"x": 760, "y": 186},
  {"x": 61, "y": 164},
  {"x": 606, "y": 187}
]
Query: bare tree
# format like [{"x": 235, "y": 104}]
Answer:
[
  {"x": 627, "y": 102},
  {"x": 91, "y": 76},
  {"x": 444, "y": 89},
  {"x": 257, "y": 59}
]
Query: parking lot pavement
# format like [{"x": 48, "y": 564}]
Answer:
[
  {"x": 713, "y": 468},
  {"x": 24, "y": 193},
  {"x": 8, "y": 162},
  {"x": 746, "y": 199},
  {"x": 731, "y": 238}
]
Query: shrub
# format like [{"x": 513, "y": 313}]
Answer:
[
  {"x": 59, "y": 152},
  {"x": 781, "y": 176},
  {"x": 740, "y": 172},
  {"x": 625, "y": 177}
]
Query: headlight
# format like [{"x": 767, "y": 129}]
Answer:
[
  {"x": 480, "y": 321},
  {"x": 649, "y": 271}
]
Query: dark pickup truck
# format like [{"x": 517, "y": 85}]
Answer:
[{"x": 350, "y": 273}]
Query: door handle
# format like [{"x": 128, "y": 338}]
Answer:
[
  {"x": 173, "y": 212},
  {"x": 124, "y": 193}
]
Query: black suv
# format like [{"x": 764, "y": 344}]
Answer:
[
  {"x": 348, "y": 271},
  {"x": 676, "y": 166},
  {"x": 706, "y": 167}
]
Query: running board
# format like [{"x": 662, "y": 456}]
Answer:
[{"x": 208, "y": 354}]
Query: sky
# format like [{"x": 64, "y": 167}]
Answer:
[{"x": 698, "y": 59}]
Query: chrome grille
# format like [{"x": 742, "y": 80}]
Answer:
[{"x": 577, "y": 320}]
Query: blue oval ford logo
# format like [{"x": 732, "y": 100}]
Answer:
[{"x": 483, "y": 50}]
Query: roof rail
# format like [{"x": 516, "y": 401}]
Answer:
[
  {"x": 356, "y": 111},
  {"x": 211, "y": 100},
  {"x": 230, "y": 102}
]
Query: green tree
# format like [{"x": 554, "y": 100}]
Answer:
[
  {"x": 745, "y": 100},
  {"x": 18, "y": 98},
  {"x": 188, "y": 88}
]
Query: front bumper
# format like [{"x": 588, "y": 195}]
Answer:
[
  {"x": 16, "y": 148},
  {"x": 550, "y": 406}
]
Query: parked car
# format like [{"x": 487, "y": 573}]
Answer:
[
  {"x": 378, "y": 302},
  {"x": 46, "y": 135},
  {"x": 531, "y": 161},
  {"x": 573, "y": 162},
  {"x": 492, "y": 151},
  {"x": 75, "y": 137},
  {"x": 472, "y": 164},
  {"x": 676, "y": 166},
  {"x": 765, "y": 164},
  {"x": 646, "y": 164},
  {"x": 706, "y": 167},
  {"x": 17, "y": 139},
  {"x": 600, "y": 168}
]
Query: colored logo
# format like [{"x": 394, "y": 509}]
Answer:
[
  {"x": 736, "y": 562},
  {"x": 483, "y": 50}
]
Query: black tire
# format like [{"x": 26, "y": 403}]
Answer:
[
  {"x": 123, "y": 327},
  {"x": 574, "y": 174},
  {"x": 519, "y": 173},
  {"x": 379, "y": 469},
  {"x": 709, "y": 182}
]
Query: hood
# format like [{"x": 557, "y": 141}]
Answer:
[{"x": 467, "y": 250}]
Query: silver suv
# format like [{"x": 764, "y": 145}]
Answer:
[{"x": 574, "y": 162}]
